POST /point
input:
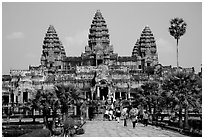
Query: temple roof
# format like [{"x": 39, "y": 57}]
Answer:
[
  {"x": 53, "y": 49},
  {"x": 51, "y": 29},
  {"x": 98, "y": 33},
  {"x": 147, "y": 37},
  {"x": 98, "y": 13},
  {"x": 136, "y": 48}
]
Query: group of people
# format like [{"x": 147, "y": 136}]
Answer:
[
  {"x": 135, "y": 115},
  {"x": 131, "y": 113},
  {"x": 109, "y": 113}
]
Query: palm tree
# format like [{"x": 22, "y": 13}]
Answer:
[
  {"x": 68, "y": 95},
  {"x": 46, "y": 100},
  {"x": 150, "y": 91},
  {"x": 177, "y": 29},
  {"x": 184, "y": 92}
]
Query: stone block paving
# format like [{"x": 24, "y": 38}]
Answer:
[{"x": 114, "y": 129}]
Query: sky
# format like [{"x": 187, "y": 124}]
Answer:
[{"x": 24, "y": 26}]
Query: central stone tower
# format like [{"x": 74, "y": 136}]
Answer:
[
  {"x": 98, "y": 51},
  {"x": 145, "y": 50},
  {"x": 53, "y": 53}
]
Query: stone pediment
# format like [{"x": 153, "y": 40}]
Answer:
[
  {"x": 102, "y": 74},
  {"x": 99, "y": 52},
  {"x": 87, "y": 49},
  {"x": 98, "y": 47}
]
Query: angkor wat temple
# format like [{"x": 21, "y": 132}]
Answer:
[{"x": 99, "y": 72}]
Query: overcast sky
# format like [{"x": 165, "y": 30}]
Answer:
[{"x": 24, "y": 26}]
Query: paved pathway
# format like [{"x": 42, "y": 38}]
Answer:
[{"x": 114, "y": 129}]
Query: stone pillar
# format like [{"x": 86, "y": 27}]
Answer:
[
  {"x": 120, "y": 95},
  {"x": 85, "y": 94},
  {"x": 98, "y": 92},
  {"x": 14, "y": 98},
  {"x": 92, "y": 91},
  {"x": 34, "y": 113},
  {"x": 129, "y": 94},
  {"x": 87, "y": 112},
  {"x": 75, "y": 110},
  {"x": 109, "y": 92},
  {"x": 114, "y": 96},
  {"x": 9, "y": 98}
]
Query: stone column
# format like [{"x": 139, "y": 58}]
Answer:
[
  {"x": 114, "y": 96},
  {"x": 14, "y": 98},
  {"x": 85, "y": 94},
  {"x": 109, "y": 92},
  {"x": 87, "y": 112},
  {"x": 120, "y": 95},
  {"x": 98, "y": 92},
  {"x": 129, "y": 94},
  {"x": 92, "y": 91},
  {"x": 75, "y": 110},
  {"x": 9, "y": 98}
]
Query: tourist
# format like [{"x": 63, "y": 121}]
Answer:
[
  {"x": 133, "y": 116},
  {"x": 117, "y": 115},
  {"x": 145, "y": 117},
  {"x": 110, "y": 114},
  {"x": 140, "y": 115},
  {"x": 106, "y": 114},
  {"x": 125, "y": 116}
]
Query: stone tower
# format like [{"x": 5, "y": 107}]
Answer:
[
  {"x": 98, "y": 51},
  {"x": 135, "y": 52},
  {"x": 53, "y": 53},
  {"x": 145, "y": 50}
]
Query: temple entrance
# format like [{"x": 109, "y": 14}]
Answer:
[
  {"x": 103, "y": 93},
  {"x": 25, "y": 96},
  {"x": 5, "y": 99},
  {"x": 99, "y": 61}
]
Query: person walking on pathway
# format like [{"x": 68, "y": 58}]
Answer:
[
  {"x": 106, "y": 114},
  {"x": 110, "y": 114},
  {"x": 117, "y": 115},
  {"x": 125, "y": 116},
  {"x": 133, "y": 116},
  {"x": 145, "y": 117}
]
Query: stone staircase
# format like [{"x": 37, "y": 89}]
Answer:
[{"x": 98, "y": 117}]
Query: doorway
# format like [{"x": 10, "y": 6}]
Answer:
[
  {"x": 103, "y": 93},
  {"x": 99, "y": 61}
]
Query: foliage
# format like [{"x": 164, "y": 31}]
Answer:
[
  {"x": 69, "y": 123},
  {"x": 68, "y": 95},
  {"x": 38, "y": 133},
  {"x": 177, "y": 28},
  {"x": 15, "y": 133},
  {"x": 149, "y": 70},
  {"x": 195, "y": 123},
  {"x": 45, "y": 100},
  {"x": 150, "y": 94},
  {"x": 183, "y": 90}
]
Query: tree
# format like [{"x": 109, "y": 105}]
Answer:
[
  {"x": 184, "y": 91},
  {"x": 68, "y": 95},
  {"x": 177, "y": 29},
  {"x": 149, "y": 70},
  {"x": 150, "y": 94},
  {"x": 46, "y": 100}
]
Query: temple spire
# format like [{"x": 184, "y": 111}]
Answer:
[
  {"x": 145, "y": 50},
  {"x": 98, "y": 33},
  {"x": 53, "y": 51},
  {"x": 98, "y": 51},
  {"x": 135, "y": 51}
]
